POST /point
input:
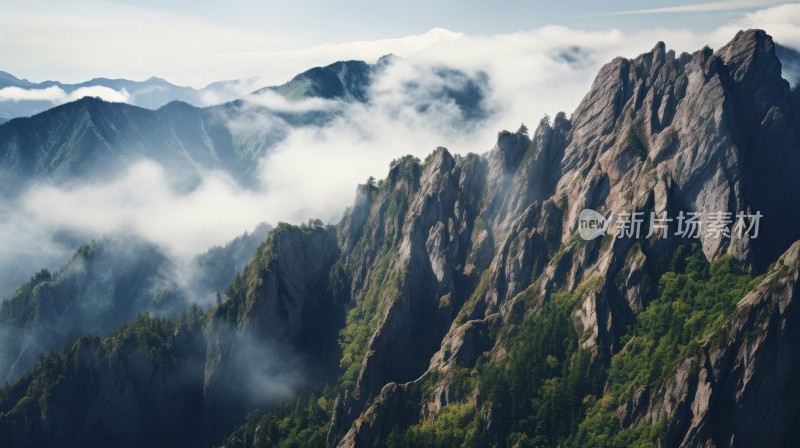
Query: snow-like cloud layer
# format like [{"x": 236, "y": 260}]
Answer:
[{"x": 57, "y": 95}]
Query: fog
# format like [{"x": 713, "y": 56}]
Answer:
[{"x": 57, "y": 95}]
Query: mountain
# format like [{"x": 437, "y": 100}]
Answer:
[
  {"x": 790, "y": 64},
  {"x": 151, "y": 93},
  {"x": 458, "y": 304},
  {"x": 216, "y": 268},
  {"x": 106, "y": 284},
  {"x": 347, "y": 80},
  {"x": 92, "y": 139}
]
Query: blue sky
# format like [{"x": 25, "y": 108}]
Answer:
[{"x": 318, "y": 21}]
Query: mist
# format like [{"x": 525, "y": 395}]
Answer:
[{"x": 56, "y": 95}]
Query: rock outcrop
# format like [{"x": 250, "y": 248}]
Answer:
[
  {"x": 741, "y": 389},
  {"x": 664, "y": 133}
]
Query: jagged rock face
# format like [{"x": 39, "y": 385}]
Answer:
[
  {"x": 433, "y": 230},
  {"x": 742, "y": 389},
  {"x": 279, "y": 308},
  {"x": 707, "y": 131},
  {"x": 710, "y": 131}
]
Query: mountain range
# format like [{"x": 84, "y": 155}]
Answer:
[
  {"x": 106, "y": 284},
  {"x": 457, "y": 303},
  {"x": 151, "y": 93},
  {"x": 93, "y": 139}
]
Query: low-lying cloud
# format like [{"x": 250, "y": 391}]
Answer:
[
  {"x": 57, "y": 95},
  {"x": 268, "y": 98}
]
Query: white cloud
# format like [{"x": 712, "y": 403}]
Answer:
[
  {"x": 85, "y": 39},
  {"x": 272, "y": 100},
  {"x": 143, "y": 202},
  {"x": 105, "y": 93},
  {"x": 56, "y": 95},
  {"x": 781, "y": 22},
  {"x": 138, "y": 43},
  {"x": 700, "y": 7},
  {"x": 51, "y": 94}
]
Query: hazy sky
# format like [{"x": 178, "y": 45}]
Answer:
[{"x": 196, "y": 42}]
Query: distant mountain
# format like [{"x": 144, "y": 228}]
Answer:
[
  {"x": 790, "y": 63},
  {"x": 90, "y": 138},
  {"x": 151, "y": 93},
  {"x": 350, "y": 81},
  {"x": 347, "y": 80},
  {"x": 93, "y": 139},
  {"x": 107, "y": 283}
]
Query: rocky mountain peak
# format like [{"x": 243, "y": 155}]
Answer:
[
  {"x": 750, "y": 51},
  {"x": 697, "y": 122}
]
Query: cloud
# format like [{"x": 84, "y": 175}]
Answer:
[
  {"x": 56, "y": 95},
  {"x": 224, "y": 91},
  {"x": 143, "y": 202},
  {"x": 51, "y": 94},
  {"x": 782, "y": 22},
  {"x": 699, "y": 7},
  {"x": 136, "y": 43},
  {"x": 278, "y": 103},
  {"x": 266, "y": 371},
  {"x": 105, "y": 93}
]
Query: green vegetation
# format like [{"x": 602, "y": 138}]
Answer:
[
  {"x": 694, "y": 299},
  {"x": 455, "y": 426},
  {"x": 535, "y": 391},
  {"x": 538, "y": 387},
  {"x": 293, "y": 424},
  {"x": 692, "y": 303},
  {"x": 548, "y": 391},
  {"x": 85, "y": 361},
  {"x": 364, "y": 317}
]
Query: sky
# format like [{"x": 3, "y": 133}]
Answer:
[{"x": 197, "y": 42}]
